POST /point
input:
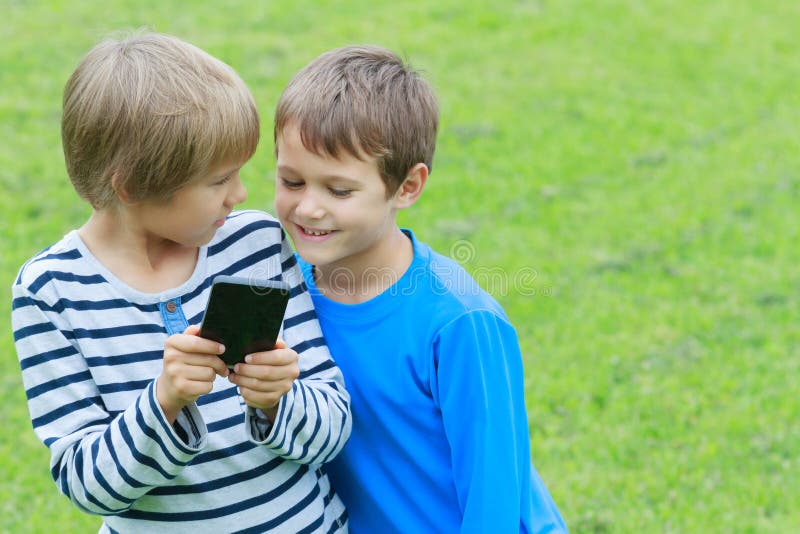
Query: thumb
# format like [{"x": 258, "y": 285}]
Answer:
[
  {"x": 279, "y": 344},
  {"x": 192, "y": 330}
]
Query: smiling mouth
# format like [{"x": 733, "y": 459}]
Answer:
[{"x": 312, "y": 231}]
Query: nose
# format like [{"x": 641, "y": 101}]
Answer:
[
  {"x": 309, "y": 207},
  {"x": 237, "y": 193}
]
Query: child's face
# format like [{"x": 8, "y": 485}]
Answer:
[
  {"x": 196, "y": 211},
  {"x": 335, "y": 210}
]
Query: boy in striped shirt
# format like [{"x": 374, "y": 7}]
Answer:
[{"x": 145, "y": 424}]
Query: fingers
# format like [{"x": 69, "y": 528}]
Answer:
[
  {"x": 264, "y": 400},
  {"x": 192, "y": 330},
  {"x": 191, "y": 349},
  {"x": 277, "y": 356},
  {"x": 190, "y": 366},
  {"x": 193, "y": 344},
  {"x": 266, "y": 376},
  {"x": 179, "y": 385}
]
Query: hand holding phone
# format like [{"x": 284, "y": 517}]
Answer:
[
  {"x": 244, "y": 315},
  {"x": 266, "y": 377}
]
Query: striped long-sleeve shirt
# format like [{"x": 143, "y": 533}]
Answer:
[{"x": 90, "y": 348}]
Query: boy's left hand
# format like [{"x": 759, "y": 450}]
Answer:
[{"x": 266, "y": 376}]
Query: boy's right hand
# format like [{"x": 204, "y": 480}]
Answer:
[{"x": 191, "y": 363}]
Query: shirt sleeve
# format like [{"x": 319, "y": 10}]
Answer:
[
  {"x": 313, "y": 421},
  {"x": 102, "y": 461},
  {"x": 481, "y": 394}
]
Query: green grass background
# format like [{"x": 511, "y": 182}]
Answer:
[{"x": 623, "y": 176}]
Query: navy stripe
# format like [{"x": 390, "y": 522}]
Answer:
[
  {"x": 338, "y": 444},
  {"x": 115, "y": 331},
  {"x": 281, "y": 519},
  {"x": 62, "y": 477},
  {"x": 152, "y": 434},
  {"x": 82, "y": 305},
  {"x": 324, "y": 366},
  {"x": 99, "y": 423},
  {"x": 289, "y": 262},
  {"x": 67, "y": 409},
  {"x": 54, "y": 470},
  {"x": 63, "y": 276},
  {"x": 300, "y": 318},
  {"x": 216, "y": 396},
  {"x": 314, "y": 432},
  {"x": 61, "y": 381},
  {"x": 152, "y": 404},
  {"x": 21, "y": 302},
  {"x": 73, "y": 254},
  {"x": 244, "y": 504},
  {"x": 280, "y": 438},
  {"x": 32, "y": 330},
  {"x": 341, "y": 521},
  {"x": 137, "y": 454},
  {"x": 299, "y": 425},
  {"x": 102, "y": 480},
  {"x": 124, "y": 359},
  {"x": 331, "y": 493},
  {"x": 252, "y": 259},
  {"x": 88, "y": 496},
  {"x": 239, "y": 234},
  {"x": 197, "y": 319},
  {"x": 220, "y": 454},
  {"x": 313, "y": 526},
  {"x": 228, "y": 422},
  {"x": 309, "y": 344},
  {"x": 119, "y": 387},
  {"x": 123, "y": 474},
  {"x": 296, "y": 291},
  {"x": 188, "y": 297},
  {"x": 218, "y": 483},
  {"x": 51, "y": 355}
]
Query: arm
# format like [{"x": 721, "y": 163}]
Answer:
[
  {"x": 313, "y": 421},
  {"x": 481, "y": 395},
  {"x": 102, "y": 461}
]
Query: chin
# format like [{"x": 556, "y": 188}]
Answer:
[
  {"x": 312, "y": 258},
  {"x": 205, "y": 240}
]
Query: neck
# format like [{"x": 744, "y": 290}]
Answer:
[
  {"x": 142, "y": 260},
  {"x": 369, "y": 275}
]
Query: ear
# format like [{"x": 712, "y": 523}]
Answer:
[
  {"x": 411, "y": 188},
  {"x": 119, "y": 189}
]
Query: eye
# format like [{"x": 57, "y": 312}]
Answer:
[
  {"x": 224, "y": 180},
  {"x": 340, "y": 193},
  {"x": 289, "y": 184}
]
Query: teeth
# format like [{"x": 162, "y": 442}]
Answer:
[{"x": 315, "y": 232}]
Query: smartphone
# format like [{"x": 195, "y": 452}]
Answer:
[{"x": 245, "y": 315}]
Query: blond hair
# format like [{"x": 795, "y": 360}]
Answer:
[
  {"x": 148, "y": 113},
  {"x": 363, "y": 100}
]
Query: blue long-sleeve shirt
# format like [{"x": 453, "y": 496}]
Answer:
[
  {"x": 440, "y": 438},
  {"x": 90, "y": 348}
]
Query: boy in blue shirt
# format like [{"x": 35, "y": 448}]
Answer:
[{"x": 440, "y": 437}]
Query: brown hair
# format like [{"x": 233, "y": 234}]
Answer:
[
  {"x": 364, "y": 100},
  {"x": 148, "y": 113}
]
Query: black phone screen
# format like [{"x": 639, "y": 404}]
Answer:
[{"x": 244, "y": 315}]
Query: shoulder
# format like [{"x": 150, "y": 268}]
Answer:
[
  {"x": 453, "y": 287},
  {"x": 247, "y": 219},
  {"x": 249, "y": 229},
  {"x": 62, "y": 260}
]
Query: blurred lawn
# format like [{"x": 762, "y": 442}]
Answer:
[{"x": 623, "y": 176}]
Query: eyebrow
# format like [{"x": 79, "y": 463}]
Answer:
[{"x": 338, "y": 177}]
